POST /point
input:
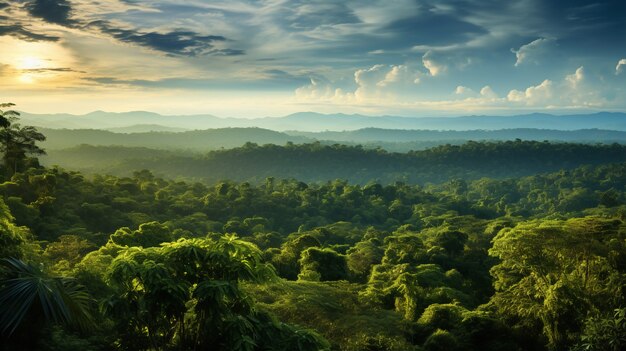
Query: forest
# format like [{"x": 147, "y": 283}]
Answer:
[
  {"x": 314, "y": 162},
  {"x": 510, "y": 245}
]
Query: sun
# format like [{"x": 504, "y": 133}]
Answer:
[{"x": 31, "y": 62}]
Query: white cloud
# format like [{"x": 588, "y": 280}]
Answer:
[
  {"x": 532, "y": 51},
  {"x": 370, "y": 80},
  {"x": 533, "y": 95},
  {"x": 383, "y": 88},
  {"x": 575, "y": 79},
  {"x": 384, "y": 81},
  {"x": 573, "y": 91},
  {"x": 433, "y": 66},
  {"x": 461, "y": 90},
  {"x": 379, "y": 82},
  {"x": 318, "y": 89},
  {"x": 399, "y": 74},
  {"x": 621, "y": 66},
  {"x": 488, "y": 93}
]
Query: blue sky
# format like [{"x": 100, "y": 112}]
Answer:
[{"x": 268, "y": 58}]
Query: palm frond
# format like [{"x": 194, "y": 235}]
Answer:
[{"x": 29, "y": 292}]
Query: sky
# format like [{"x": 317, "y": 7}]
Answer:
[{"x": 248, "y": 58}]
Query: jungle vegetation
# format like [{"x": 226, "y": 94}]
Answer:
[{"x": 526, "y": 253}]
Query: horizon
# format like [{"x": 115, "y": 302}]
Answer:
[{"x": 252, "y": 59}]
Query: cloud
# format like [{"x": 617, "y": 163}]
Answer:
[
  {"x": 20, "y": 32},
  {"x": 384, "y": 81},
  {"x": 379, "y": 82},
  {"x": 52, "y": 11},
  {"x": 378, "y": 87},
  {"x": 175, "y": 41},
  {"x": 270, "y": 80},
  {"x": 51, "y": 69},
  {"x": 488, "y": 93},
  {"x": 464, "y": 91},
  {"x": 418, "y": 29},
  {"x": 319, "y": 89},
  {"x": 309, "y": 15},
  {"x": 178, "y": 42},
  {"x": 432, "y": 65},
  {"x": 576, "y": 78},
  {"x": 532, "y": 51},
  {"x": 533, "y": 95},
  {"x": 621, "y": 66},
  {"x": 573, "y": 91},
  {"x": 371, "y": 80}
]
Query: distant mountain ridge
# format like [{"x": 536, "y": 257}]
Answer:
[
  {"x": 316, "y": 122},
  {"x": 389, "y": 139},
  {"x": 146, "y": 128},
  {"x": 403, "y": 135},
  {"x": 198, "y": 140}
]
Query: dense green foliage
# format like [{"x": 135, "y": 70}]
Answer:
[{"x": 145, "y": 263}]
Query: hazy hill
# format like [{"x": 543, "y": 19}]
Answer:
[
  {"x": 145, "y": 128},
  {"x": 193, "y": 140},
  {"x": 401, "y": 135},
  {"x": 318, "y": 163},
  {"x": 392, "y": 140},
  {"x": 312, "y": 122}
]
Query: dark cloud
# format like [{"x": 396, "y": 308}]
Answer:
[
  {"x": 12, "y": 27},
  {"x": 434, "y": 29},
  {"x": 580, "y": 22},
  {"x": 286, "y": 77},
  {"x": 594, "y": 25},
  {"x": 226, "y": 52},
  {"x": 308, "y": 15},
  {"x": 53, "y": 69},
  {"x": 20, "y": 32},
  {"x": 52, "y": 11},
  {"x": 178, "y": 42},
  {"x": 274, "y": 80}
]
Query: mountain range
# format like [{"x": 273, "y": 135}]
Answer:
[{"x": 389, "y": 139}]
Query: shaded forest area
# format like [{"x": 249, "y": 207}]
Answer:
[{"x": 317, "y": 162}]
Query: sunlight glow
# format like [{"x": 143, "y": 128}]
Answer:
[
  {"x": 31, "y": 62},
  {"x": 26, "y": 78},
  {"x": 36, "y": 62}
]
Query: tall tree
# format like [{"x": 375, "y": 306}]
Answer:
[{"x": 16, "y": 142}]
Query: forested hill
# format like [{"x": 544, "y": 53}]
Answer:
[
  {"x": 189, "y": 140},
  {"x": 367, "y": 135},
  {"x": 389, "y": 139},
  {"x": 318, "y": 163}
]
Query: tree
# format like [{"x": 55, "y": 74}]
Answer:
[
  {"x": 327, "y": 263},
  {"x": 16, "y": 142},
  {"x": 6, "y": 116},
  {"x": 31, "y": 299},
  {"x": 187, "y": 295},
  {"x": 554, "y": 273}
]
